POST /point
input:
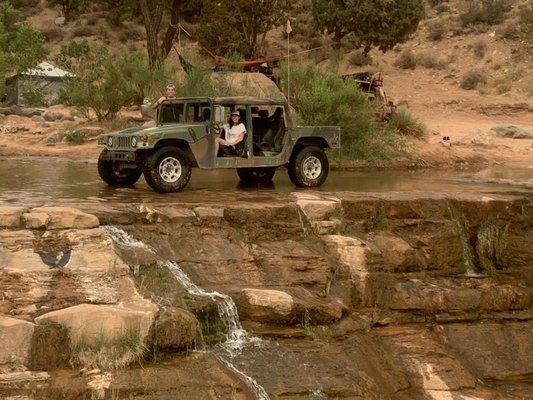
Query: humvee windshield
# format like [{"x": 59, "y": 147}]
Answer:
[
  {"x": 198, "y": 112},
  {"x": 170, "y": 113}
]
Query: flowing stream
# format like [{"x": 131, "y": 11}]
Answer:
[{"x": 236, "y": 337}]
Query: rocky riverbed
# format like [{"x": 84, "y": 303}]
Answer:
[{"x": 308, "y": 296}]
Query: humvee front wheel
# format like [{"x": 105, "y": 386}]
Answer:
[
  {"x": 308, "y": 167},
  {"x": 256, "y": 175},
  {"x": 114, "y": 174},
  {"x": 167, "y": 170}
]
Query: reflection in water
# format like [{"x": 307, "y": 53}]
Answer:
[{"x": 37, "y": 180}]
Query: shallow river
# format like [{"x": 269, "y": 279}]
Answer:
[{"x": 38, "y": 180}]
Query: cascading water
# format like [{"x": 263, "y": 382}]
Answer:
[{"x": 236, "y": 337}]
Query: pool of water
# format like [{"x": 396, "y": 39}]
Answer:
[{"x": 41, "y": 180}]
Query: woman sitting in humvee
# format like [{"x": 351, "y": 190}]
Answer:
[{"x": 234, "y": 132}]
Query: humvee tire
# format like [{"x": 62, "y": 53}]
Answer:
[
  {"x": 308, "y": 167},
  {"x": 167, "y": 170},
  {"x": 256, "y": 175},
  {"x": 110, "y": 175}
]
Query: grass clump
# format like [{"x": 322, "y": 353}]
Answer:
[
  {"x": 488, "y": 12},
  {"x": 74, "y": 137},
  {"x": 436, "y": 30},
  {"x": 428, "y": 60},
  {"x": 503, "y": 85},
  {"x": 472, "y": 79},
  {"x": 108, "y": 354},
  {"x": 407, "y": 125},
  {"x": 406, "y": 60},
  {"x": 359, "y": 58}
]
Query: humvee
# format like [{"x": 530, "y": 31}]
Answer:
[{"x": 184, "y": 137}]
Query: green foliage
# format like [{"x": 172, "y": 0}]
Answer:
[
  {"x": 33, "y": 92},
  {"x": 359, "y": 58},
  {"x": 74, "y": 136},
  {"x": 21, "y": 46},
  {"x": 233, "y": 59},
  {"x": 404, "y": 123},
  {"x": 374, "y": 23},
  {"x": 235, "y": 25},
  {"x": 472, "y": 79},
  {"x": 105, "y": 84},
  {"x": 406, "y": 60},
  {"x": 490, "y": 12},
  {"x": 69, "y": 7}
]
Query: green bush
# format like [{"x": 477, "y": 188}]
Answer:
[
  {"x": 406, "y": 60},
  {"x": 404, "y": 123},
  {"x": 105, "y": 84},
  {"x": 472, "y": 79},
  {"x": 74, "y": 137},
  {"x": 490, "y": 12},
  {"x": 33, "y": 92}
]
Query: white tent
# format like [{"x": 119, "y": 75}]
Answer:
[{"x": 45, "y": 77}]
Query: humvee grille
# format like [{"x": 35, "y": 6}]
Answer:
[{"x": 124, "y": 141}]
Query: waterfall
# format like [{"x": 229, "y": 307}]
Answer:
[
  {"x": 236, "y": 337},
  {"x": 466, "y": 247}
]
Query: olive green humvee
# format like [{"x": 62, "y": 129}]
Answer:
[{"x": 184, "y": 137}]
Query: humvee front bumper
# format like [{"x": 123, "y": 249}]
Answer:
[{"x": 111, "y": 155}]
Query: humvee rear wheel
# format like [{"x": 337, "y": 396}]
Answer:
[
  {"x": 167, "y": 170},
  {"x": 256, "y": 175},
  {"x": 113, "y": 173},
  {"x": 308, "y": 167}
]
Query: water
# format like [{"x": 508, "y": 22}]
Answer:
[
  {"x": 38, "y": 181},
  {"x": 236, "y": 336}
]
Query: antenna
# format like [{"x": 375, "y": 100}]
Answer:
[{"x": 289, "y": 30}]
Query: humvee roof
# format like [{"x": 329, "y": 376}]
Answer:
[{"x": 229, "y": 101}]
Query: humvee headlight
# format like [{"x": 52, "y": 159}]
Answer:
[
  {"x": 143, "y": 138},
  {"x": 110, "y": 141},
  {"x": 134, "y": 142}
]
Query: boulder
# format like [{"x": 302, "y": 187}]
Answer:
[
  {"x": 512, "y": 131},
  {"x": 175, "y": 328},
  {"x": 88, "y": 132},
  {"x": 53, "y": 138},
  {"x": 38, "y": 118},
  {"x": 15, "y": 340},
  {"x": 21, "y": 111},
  {"x": 89, "y": 323},
  {"x": 60, "y": 21},
  {"x": 36, "y": 220},
  {"x": 396, "y": 254},
  {"x": 66, "y": 217},
  {"x": 52, "y": 116},
  {"x": 265, "y": 305},
  {"x": 10, "y": 216}
]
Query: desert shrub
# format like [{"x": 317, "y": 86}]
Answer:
[
  {"x": 436, "y": 30},
  {"x": 525, "y": 17},
  {"x": 472, "y": 79},
  {"x": 435, "y": 3},
  {"x": 359, "y": 58},
  {"x": 428, "y": 60},
  {"x": 490, "y": 12},
  {"x": 24, "y": 4},
  {"x": 70, "y": 8},
  {"x": 137, "y": 34},
  {"x": 52, "y": 34},
  {"x": 234, "y": 60},
  {"x": 92, "y": 20},
  {"x": 74, "y": 137},
  {"x": 83, "y": 31},
  {"x": 326, "y": 99},
  {"x": 443, "y": 8},
  {"x": 124, "y": 36},
  {"x": 510, "y": 30},
  {"x": 503, "y": 85},
  {"x": 34, "y": 93},
  {"x": 105, "y": 84},
  {"x": 406, "y": 60},
  {"x": 404, "y": 123},
  {"x": 479, "y": 47}
]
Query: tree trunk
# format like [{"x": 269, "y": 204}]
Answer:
[
  {"x": 152, "y": 13},
  {"x": 168, "y": 40}
]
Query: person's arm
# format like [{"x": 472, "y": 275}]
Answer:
[
  {"x": 158, "y": 102},
  {"x": 240, "y": 136}
]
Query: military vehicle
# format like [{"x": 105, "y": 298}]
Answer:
[{"x": 184, "y": 137}]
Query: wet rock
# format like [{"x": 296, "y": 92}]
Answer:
[
  {"x": 395, "y": 254},
  {"x": 512, "y": 131},
  {"x": 36, "y": 220},
  {"x": 316, "y": 209},
  {"x": 314, "y": 309},
  {"x": 177, "y": 215},
  {"x": 15, "y": 340},
  {"x": 327, "y": 227},
  {"x": 10, "y": 216},
  {"x": 210, "y": 213},
  {"x": 66, "y": 217},
  {"x": 87, "y": 323},
  {"x": 265, "y": 305},
  {"x": 175, "y": 328},
  {"x": 493, "y": 350}
]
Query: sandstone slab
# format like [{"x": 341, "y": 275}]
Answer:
[
  {"x": 89, "y": 323},
  {"x": 66, "y": 217},
  {"x": 36, "y": 220},
  {"x": 10, "y": 217},
  {"x": 175, "y": 328},
  {"x": 318, "y": 209},
  {"x": 15, "y": 340},
  {"x": 350, "y": 252},
  {"x": 265, "y": 304}
]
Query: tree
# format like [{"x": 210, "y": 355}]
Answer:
[
  {"x": 373, "y": 23},
  {"x": 236, "y": 25},
  {"x": 21, "y": 46},
  {"x": 69, "y": 7}
]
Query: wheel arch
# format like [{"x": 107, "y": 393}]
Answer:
[{"x": 181, "y": 144}]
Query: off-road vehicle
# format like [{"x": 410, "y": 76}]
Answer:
[{"x": 184, "y": 137}]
